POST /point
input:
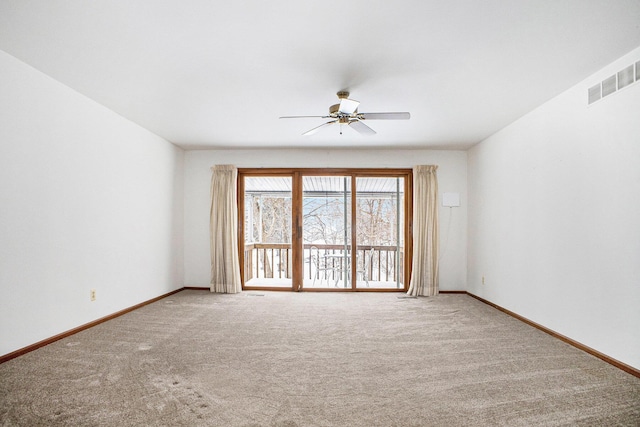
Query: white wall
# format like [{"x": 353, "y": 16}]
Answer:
[
  {"x": 88, "y": 200},
  {"x": 554, "y": 217},
  {"x": 452, "y": 177}
]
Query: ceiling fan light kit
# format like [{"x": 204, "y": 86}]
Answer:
[{"x": 346, "y": 113}]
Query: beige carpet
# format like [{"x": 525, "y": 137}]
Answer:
[{"x": 314, "y": 359}]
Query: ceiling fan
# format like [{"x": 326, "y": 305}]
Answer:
[{"x": 346, "y": 113}]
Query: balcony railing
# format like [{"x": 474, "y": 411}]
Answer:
[{"x": 378, "y": 263}]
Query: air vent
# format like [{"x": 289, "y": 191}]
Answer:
[
  {"x": 609, "y": 86},
  {"x": 594, "y": 93},
  {"x": 623, "y": 78}
]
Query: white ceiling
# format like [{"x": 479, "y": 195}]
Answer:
[{"x": 206, "y": 73}]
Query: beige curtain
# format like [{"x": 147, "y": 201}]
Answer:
[
  {"x": 225, "y": 264},
  {"x": 424, "y": 274}
]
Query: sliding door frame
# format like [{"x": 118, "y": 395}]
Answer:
[{"x": 297, "y": 244}]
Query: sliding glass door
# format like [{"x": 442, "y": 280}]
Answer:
[
  {"x": 322, "y": 229},
  {"x": 267, "y": 227},
  {"x": 326, "y": 231},
  {"x": 380, "y": 232}
]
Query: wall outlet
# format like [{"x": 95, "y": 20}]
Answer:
[{"x": 92, "y": 294}]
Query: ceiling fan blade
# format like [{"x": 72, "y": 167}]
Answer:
[
  {"x": 361, "y": 127},
  {"x": 304, "y": 117},
  {"x": 316, "y": 129},
  {"x": 348, "y": 106},
  {"x": 385, "y": 116}
]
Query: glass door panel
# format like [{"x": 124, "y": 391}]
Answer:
[
  {"x": 379, "y": 232},
  {"x": 326, "y": 231},
  {"x": 267, "y": 232}
]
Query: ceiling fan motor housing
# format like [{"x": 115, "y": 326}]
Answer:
[{"x": 334, "y": 109}]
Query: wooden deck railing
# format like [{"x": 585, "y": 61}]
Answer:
[{"x": 274, "y": 261}]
